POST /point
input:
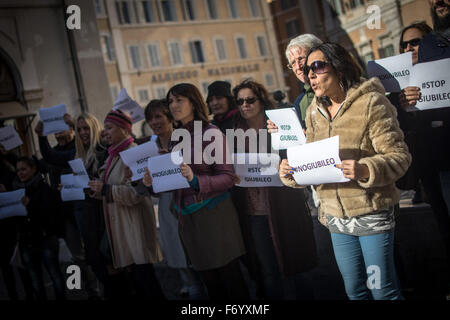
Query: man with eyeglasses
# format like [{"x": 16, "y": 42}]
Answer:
[{"x": 296, "y": 53}]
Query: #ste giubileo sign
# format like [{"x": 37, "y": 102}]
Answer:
[
  {"x": 257, "y": 169},
  {"x": 433, "y": 79}
]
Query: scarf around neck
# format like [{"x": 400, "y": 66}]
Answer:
[{"x": 113, "y": 151}]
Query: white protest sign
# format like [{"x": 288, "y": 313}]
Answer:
[
  {"x": 53, "y": 119},
  {"x": 314, "y": 162},
  {"x": 128, "y": 105},
  {"x": 80, "y": 174},
  {"x": 11, "y": 204},
  {"x": 393, "y": 72},
  {"x": 258, "y": 169},
  {"x": 71, "y": 190},
  {"x": 136, "y": 158},
  {"x": 290, "y": 131},
  {"x": 166, "y": 173},
  {"x": 9, "y": 138},
  {"x": 433, "y": 79}
]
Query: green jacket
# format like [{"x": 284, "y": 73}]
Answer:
[{"x": 306, "y": 100}]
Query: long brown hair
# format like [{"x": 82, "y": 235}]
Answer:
[
  {"x": 422, "y": 26},
  {"x": 191, "y": 92}
]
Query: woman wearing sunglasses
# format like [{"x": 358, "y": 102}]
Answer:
[
  {"x": 208, "y": 223},
  {"x": 359, "y": 213},
  {"x": 276, "y": 222},
  {"x": 409, "y": 42}
]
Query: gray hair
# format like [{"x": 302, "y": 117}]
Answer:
[{"x": 306, "y": 41}]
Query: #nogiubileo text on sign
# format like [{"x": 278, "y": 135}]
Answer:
[
  {"x": 433, "y": 79},
  {"x": 166, "y": 173},
  {"x": 290, "y": 131},
  {"x": 393, "y": 72},
  {"x": 11, "y": 204},
  {"x": 136, "y": 158},
  {"x": 9, "y": 138},
  {"x": 314, "y": 163},
  {"x": 257, "y": 169},
  {"x": 53, "y": 119}
]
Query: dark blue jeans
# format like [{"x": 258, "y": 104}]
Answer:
[{"x": 45, "y": 253}]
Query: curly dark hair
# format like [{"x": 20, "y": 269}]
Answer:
[
  {"x": 340, "y": 60},
  {"x": 191, "y": 92},
  {"x": 422, "y": 26},
  {"x": 258, "y": 89}
]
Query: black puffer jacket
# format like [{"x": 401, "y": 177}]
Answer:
[{"x": 43, "y": 219}]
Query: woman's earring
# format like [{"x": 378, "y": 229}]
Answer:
[{"x": 341, "y": 85}]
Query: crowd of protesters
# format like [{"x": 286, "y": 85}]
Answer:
[{"x": 214, "y": 232}]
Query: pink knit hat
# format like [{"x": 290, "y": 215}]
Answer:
[{"x": 120, "y": 119}]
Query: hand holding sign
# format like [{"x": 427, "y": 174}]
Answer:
[
  {"x": 53, "y": 119},
  {"x": 290, "y": 131},
  {"x": 314, "y": 163},
  {"x": 187, "y": 172},
  {"x": 354, "y": 170},
  {"x": 408, "y": 97},
  {"x": 12, "y": 204}
]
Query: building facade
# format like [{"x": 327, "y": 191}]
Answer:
[
  {"x": 369, "y": 29},
  {"x": 150, "y": 46},
  {"x": 43, "y": 63}
]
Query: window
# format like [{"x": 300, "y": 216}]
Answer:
[
  {"x": 154, "y": 54},
  {"x": 292, "y": 28},
  {"x": 135, "y": 57},
  {"x": 99, "y": 7},
  {"x": 143, "y": 95},
  {"x": 220, "y": 49},
  {"x": 262, "y": 46},
  {"x": 286, "y": 4},
  {"x": 149, "y": 11},
  {"x": 234, "y": 10},
  {"x": 123, "y": 12},
  {"x": 196, "y": 51},
  {"x": 188, "y": 7},
  {"x": 254, "y": 8},
  {"x": 108, "y": 48},
  {"x": 269, "y": 80},
  {"x": 160, "y": 92},
  {"x": 241, "y": 47},
  {"x": 175, "y": 53},
  {"x": 387, "y": 51},
  {"x": 368, "y": 57},
  {"x": 114, "y": 92},
  {"x": 136, "y": 11},
  {"x": 204, "y": 87},
  {"x": 212, "y": 8},
  {"x": 168, "y": 10}
]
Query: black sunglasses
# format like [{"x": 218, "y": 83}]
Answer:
[
  {"x": 413, "y": 42},
  {"x": 318, "y": 67},
  {"x": 249, "y": 100}
]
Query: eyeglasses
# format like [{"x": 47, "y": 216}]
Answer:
[
  {"x": 297, "y": 61},
  {"x": 413, "y": 42},
  {"x": 249, "y": 100},
  {"x": 318, "y": 67}
]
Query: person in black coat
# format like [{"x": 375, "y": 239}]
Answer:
[
  {"x": 8, "y": 235},
  {"x": 38, "y": 232}
]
